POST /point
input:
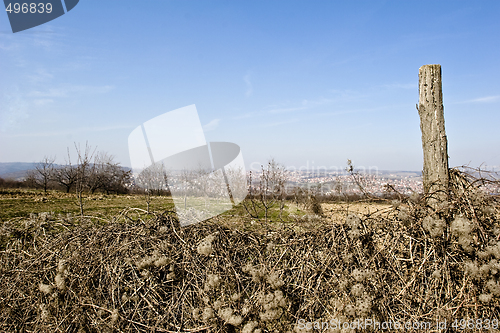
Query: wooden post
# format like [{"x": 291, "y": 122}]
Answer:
[{"x": 434, "y": 142}]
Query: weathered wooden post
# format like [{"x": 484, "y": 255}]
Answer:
[{"x": 434, "y": 142}]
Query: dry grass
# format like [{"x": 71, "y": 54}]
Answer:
[
  {"x": 145, "y": 273},
  {"x": 337, "y": 212},
  {"x": 22, "y": 202}
]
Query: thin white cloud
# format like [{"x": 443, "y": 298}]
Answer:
[
  {"x": 346, "y": 93},
  {"x": 69, "y": 131},
  {"x": 400, "y": 86},
  {"x": 279, "y": 123},
  {"x": 9, "y": 43},
  {"x": 342, "y": 112},
  {"x": 71, "y": 90},
  {"x": 357, "y": 127},
  {"x": 285, "y": 110},
  {"x": 335, "y": 113},
  {"x": 43, "y": 101},
  {"x": 304, "y": 105},
  {"x": 14, "y": 110},
  {"x": 47, "y": 39},
  {"x": 486, "y": 99},
  {"x": 249, "y": 90},
  {"x": 247, "y": 115},
  {"x": 281, "y": 108},
  {"x": 17, "y": 106},
  {"x": 9, "y": 47},
  {"x": 211, "y": 125},
  {"x": 41, "y": 75}
]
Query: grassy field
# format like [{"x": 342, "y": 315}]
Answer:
[
  {"x": 120, "y": 269},
  {"x": 22, "y": 203},
  {"x": 15, "y": 203}
]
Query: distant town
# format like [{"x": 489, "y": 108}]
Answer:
[
  {"x": 326, "y": 182},
  {"x": 376, "y": 182}
]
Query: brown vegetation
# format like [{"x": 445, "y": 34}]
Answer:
[{"x": 406, "y": 262}]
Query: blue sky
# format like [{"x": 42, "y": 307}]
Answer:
[{"x": 310, "y": 83}]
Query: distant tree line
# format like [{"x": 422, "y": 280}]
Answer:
[
  {"x": 98, "y": 173},
  {"x": 11, "y": 183},
  {"x": 92, "y": 173}
]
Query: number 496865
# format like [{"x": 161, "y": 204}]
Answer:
[{"x": 29, "y": 8}]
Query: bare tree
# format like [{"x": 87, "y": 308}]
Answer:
[
  {"x": 44, "y": 173},
  {"x": 117, "y": 179},
  {"x": 269, "y": 190},
  {"x": 152, "y": 180},
  {"x": 66, "y": 175},
  {"x": 358, "y": 179},
  {"x": 107, "y": 175},
  {"x": 252, "y": 206},
  {"x": 97, "y": 177},
  {"x": 83, "y": 169},
  {"x": 272, "y": 184},
  {"x": 30, "y": 179}
]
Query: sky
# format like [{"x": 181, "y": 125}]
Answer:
[{"x": 308, "y": 83}]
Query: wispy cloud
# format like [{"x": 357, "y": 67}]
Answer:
[
  {"x": 17, "y": 106},
  {"x": 249, "y": 90},
  {"x": 46, "y": 39},
  {"x": 285, "y": 110},
  {"x": 211, "y": 125},
  {"x": 9, "y": 46},
  {"x": 43, "y": 101},
  {"x": 279, "y": 123},
  {"x": 41, "y": 75},
  {"x": 68, "y": 131},
  {"x": 304, "y": 105},
  {"x": 13, "y": 112},
  {"x": 358, "y": 127},
  {"x": 400, "y": 86},
  {"x": 360, "y": 110},
  {"x": 71, "y": 90},
  {"x": 247, "y": 115},
  {"x": 486, "y": 99}
]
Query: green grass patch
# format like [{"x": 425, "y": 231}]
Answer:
[{"x": 22, "y": 203}]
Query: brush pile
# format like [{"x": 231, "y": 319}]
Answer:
[{"x": 412, "y": 264}]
